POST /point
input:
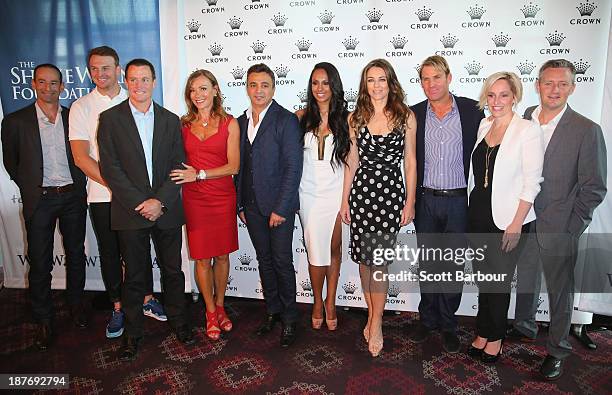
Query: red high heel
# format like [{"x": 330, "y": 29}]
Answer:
[
  {"x": 212, "y": 325},
  {"x": 224, "y": 321}
]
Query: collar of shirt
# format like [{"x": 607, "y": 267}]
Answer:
[
  {"x": 41, "y": 116},
  {"x": 535, "y": 117},
  {"x": 249, "y": 113},
  {"x": 430, "y": 110},
  {"x": 137, "y": 112},
  {"x": 121, "y": 96}
]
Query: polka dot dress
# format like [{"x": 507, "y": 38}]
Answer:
[{"x": 377, "y": 194}]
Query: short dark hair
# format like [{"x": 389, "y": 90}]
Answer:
[
  {"x": 261, "y": 68},
  {"x": 140, "y": 62},
  {"x": 103, "y": 51},
  {"x": 558, "y": 64},
  {"x": 49, "y": 66}
]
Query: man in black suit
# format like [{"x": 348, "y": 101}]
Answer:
[
  {"x": 271, "y": 153},
  {"x": 37, "y": 157},
  {"x": 140, "y": 142},
  {"x": 446, "y": 133}
]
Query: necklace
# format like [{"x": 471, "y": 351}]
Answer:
[
  {"x": 204, "y": 122},
  {"x": 487, "y": 158}
]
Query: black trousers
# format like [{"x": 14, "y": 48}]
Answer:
[
  {"x": 108, "y": 249},
  {"x": 273, "y": 247},
  {"x": 136, "y": 251},
  {"x": 70, "y": 209}
]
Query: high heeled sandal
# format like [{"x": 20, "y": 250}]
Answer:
[
  {"x": 212, "y": 325},
  {"x": 317, "y": 323},
  {"x": 332, "y": 325},
  {"x": 488, "y": 358},
  {"x": 223, "y": 319},
  {"x": 375, "y": 345}
]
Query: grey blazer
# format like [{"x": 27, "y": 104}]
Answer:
[{"x": 574, "y": 178}]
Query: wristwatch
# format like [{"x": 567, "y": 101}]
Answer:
[{"x": 201, "y": 175}]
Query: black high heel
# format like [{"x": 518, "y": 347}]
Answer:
[
  {"x": 488, "y": 358},
  {"x": 475, "y": 352}
]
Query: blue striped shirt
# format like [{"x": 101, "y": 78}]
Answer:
[{"x": 443, "y": 150}]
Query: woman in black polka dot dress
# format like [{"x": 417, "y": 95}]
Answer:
[{"x": 376, "y": 201}]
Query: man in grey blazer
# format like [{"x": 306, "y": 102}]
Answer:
[{"x": 574, "y": 185}]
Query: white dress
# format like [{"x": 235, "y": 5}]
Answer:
[{"x": 320, "y": 198}]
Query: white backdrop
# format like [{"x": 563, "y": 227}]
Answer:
[{"x": 477, "y": 39}]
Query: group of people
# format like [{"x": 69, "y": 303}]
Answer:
[{"x": 440, "y": 163}]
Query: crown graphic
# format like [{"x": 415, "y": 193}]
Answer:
[
  {"x": 394, "y": 291},
  {"x": 238, "y": 73},
  {"x": 449, "y": 41},
  {"x": 326, "y": 17},
  {"x": 212, "y": 2},
  {"x": 586, "y": 9},
  {"x": 258, "y": 46},
  {"x": 229, "y": 280},
  {"x": 351, "y": 95},
  {"x": 530, "y": 10},
  {"x": 349, "y": 288},
  {"x": 418, "y": 67},
  {"x": 245, "y": 259},
  {"x": 476, "y": 12},
  {"x": 235, "y": 23},
  {"x": 350, "y": 43},
  {"x": 374, "y": 15},
  {"x": 303, "y": 44},
  {"x": 581, "y": 67},
  {"x": 555, "y": 39},
  {"x": 303, "y": 96},
  {"x": 540, "y": 301},
  {"x": 398, "y": 42},
  {"x": 525, "y": 68},
  {"x": 279, "y": 19},
  {"x": 501, "y": 39},
  {"x": 473, "y": 68},
  {"x": 282, "y": 71},
  {"x": 424, "y": 13},
  {"x": 193, "y": 26},
  {"x": 215, "y": 49},
  {"x": 306, "y": 286}
]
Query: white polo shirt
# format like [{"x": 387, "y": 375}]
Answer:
[{"x": 83, "y": 125}]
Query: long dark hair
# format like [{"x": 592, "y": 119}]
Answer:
[{"x": 338, "y": 113}]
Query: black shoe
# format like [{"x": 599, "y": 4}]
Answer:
[
  {"x": 184, "y": 334},
  {"x": 552, "y": 368},
  {"x": 516, "y": 335},
  {"x": 419, "y": 334},
  {"x": 474, "y": 352},
  {"x": 488, "y": 358},
  {"x": 79, "y": 316},
  {"x": 580, "y": 333},
  {"x": 450, "y": 342},
  {"x": 42, "y": 339},
  {"x": 268, "y": 325},
  {"x": 288, "y": 335},
  {"x": 129, "y": 349}
]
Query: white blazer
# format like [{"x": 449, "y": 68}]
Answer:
[{"x": 518, "y": 169}]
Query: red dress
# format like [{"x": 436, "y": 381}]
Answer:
[{"x": 210, "y": 205}]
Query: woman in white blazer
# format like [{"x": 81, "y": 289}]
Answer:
[{"x": 505, "y": 177}]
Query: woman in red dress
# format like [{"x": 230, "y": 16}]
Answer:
[{"x": 211, "y": 138}]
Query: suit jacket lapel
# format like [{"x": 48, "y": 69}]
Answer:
[
  {"x": 131, "y": 130},
  {"x": 265, "y": 122},
  {"x": 558, "y": 134},
  {"x": 35, "y": 130},
  {"x": 158, "y": 136}
]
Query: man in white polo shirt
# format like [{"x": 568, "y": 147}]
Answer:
[{"x": 103, "y": 64}]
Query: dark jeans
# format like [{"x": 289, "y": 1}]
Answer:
[
  {"x": 71, "y": 211},
  {"x": 108, "y": 249},
  {"x": 273, "y": 247},
  {"x": 437, "y": 215},
  {"x": 136, "y": 251}
]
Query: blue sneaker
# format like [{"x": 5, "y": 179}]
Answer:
[
  {"x": 154, "y": 309},
  {"x": 115, "y": 325}
]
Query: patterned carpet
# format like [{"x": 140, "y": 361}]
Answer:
[{"x": 320, "y": 362}]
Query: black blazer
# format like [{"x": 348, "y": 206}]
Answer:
[
  {"x": 23, "y": 160},
  {"x": 123, "y": 166}
]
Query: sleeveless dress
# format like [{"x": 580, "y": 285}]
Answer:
[
  {"x": 320, "y": 198},
  {"x": 210, "y": 205},
  {"x": 377, "y": 194}
]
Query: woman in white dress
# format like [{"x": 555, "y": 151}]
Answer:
[{"x": 326, "y": 145}]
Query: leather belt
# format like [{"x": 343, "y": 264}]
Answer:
[
  {"x": 446, "y": 192},
  {"x": 57, "y": 190}
]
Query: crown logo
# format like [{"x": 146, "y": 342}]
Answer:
[
  {"x": 394, "y": 291},
  {"x": 279, "y": 19},
  {"x": 281, "y": 71},
  {"x": 399, "y": 42},
  {"x": 245, "y": 259},
  {"x": 258, "y": 46},
  {"x": 215, "y": 49},
  {"x": 212, "y": 2},
  {"x": 303, "y": 96},
  {"x": 193, "y": 26},
  {"x": 540, "y": 301},
  {"x": 418, "y": 68},
  {"x": 476, "y": 12},
  {"x": 326, "y": 17},
  {"x": 374, "y": 15},
  {"x": 473, "y": 68},
  {"x": 349, "y": 288},
  {"x": 530, "y": 10},
  {"x": 350, "y": 43},
  {"x": 350, "y": 96},
  {"x": 581, "y": 67},
  {"x": 424, "y": 13},
  {"x": 235, "y": 23},
  {"x": 238, "y": 73},
  {"x": 449, "y": 41},
  {"x": 303, "y": 44},
  {"x": 229, "y": 280},
  {"x": 525, "y": 68},
  {"x": 306, "y": 286},
  {"x": 501, "y": 39},
  {"x": 586, "y": 9},
  {"x": 555, "y": 39}
]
